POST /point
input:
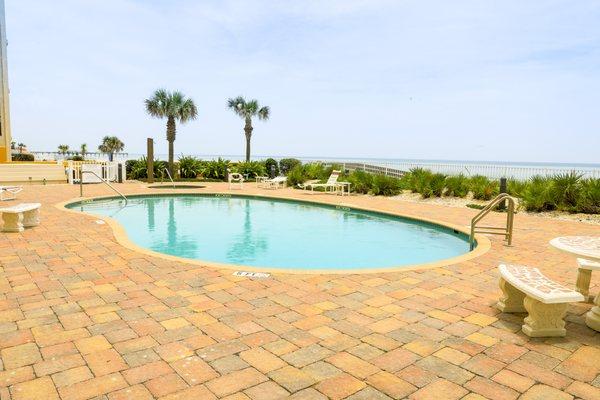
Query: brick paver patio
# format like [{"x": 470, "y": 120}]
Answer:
[{"x": 83, "y": 317}]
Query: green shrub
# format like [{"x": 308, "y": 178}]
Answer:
[
  {"x": 360, "y": 181},
  {"x": 385, "y": 185},
  {"x": 76, "y": 157},
  {"x": 537, "y": 195},
  {"x": 457, "y": 186},
  {"x": 483, "y": 188},
  {"x": 189, "y": 167},
  {"x": 287, "y": 164},
  {"x": 316, "y": 171},
  {"x": 419, "y": 181},
  {"x": 565, "y": 190},
  {"x": 137, "y": 169},
  {"x": 296, "y": 176},
  {"x": 515, "y": 187},
  {"x": 271, "y": 167},
  {"x": 23, "y": 157},
  {"x": 215, "y": 169},
  {"x": 437, "y": 184},
  {"x": 589, "y": 196},
  {"x": 250, "y": 168}
]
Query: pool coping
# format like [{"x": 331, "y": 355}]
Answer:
[{"x": 120, "y": 234}]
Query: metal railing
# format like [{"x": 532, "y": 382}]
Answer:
[
  {"x": 105, "y": 181},
  {"x": 506, "y": 231},
  {"x": 169, "y": 175}
]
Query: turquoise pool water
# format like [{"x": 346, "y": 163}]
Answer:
[{"x": 282, "y": 234}]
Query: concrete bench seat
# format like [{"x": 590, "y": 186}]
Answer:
[
  {"x": 24, "y": 215},
  {"x": 584, "y": 275},
  {"x": 526, "y": 289}
]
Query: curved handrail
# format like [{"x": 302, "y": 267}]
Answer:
[
  {"x": 169, "y": 174},
  {"x": 103, "y": 180},
  {"x": 486, "y": 210}
]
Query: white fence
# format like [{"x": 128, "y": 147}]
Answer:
[
  {"x": 56, "y": 156},
  {"x": 492, "y": 171},
  {"x": 107, "y": 170}
]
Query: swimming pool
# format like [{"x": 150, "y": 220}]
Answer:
[{"x": 276, "y": 233}]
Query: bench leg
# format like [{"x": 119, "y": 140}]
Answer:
[
  {"x": 544, "y": 320},
  {"x": 512, "y": 298},
  {"x": 584, "y": 276},
  {"x": 592, "y": 318},
  {"x": 13, "y": 222},
  {"x": 31, "y": 218}
]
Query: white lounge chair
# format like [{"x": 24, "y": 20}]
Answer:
[
  {"x": 275, "y": 183},
  {"x": 236, "y": 179},
  {"x": 330, "y": 184},
  {"x": 9, "y": 192}
]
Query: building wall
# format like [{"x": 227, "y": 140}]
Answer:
[{"x": 5, "y": 136}]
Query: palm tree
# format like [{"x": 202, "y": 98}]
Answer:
[
  {"x": 173, "y": 106},
  {"x": 63, "y": 149},
  {"x": 111, "y": 145},
  {"x": 83, "y": 150},
  {"x": 247, "y": 110}
]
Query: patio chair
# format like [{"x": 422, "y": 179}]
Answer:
[
  {"x": 275, "y": 183},
  {"x": 235, "y": 179},
  {"x": 330, "y": 184},
  {"x": 9, "y": 192}
]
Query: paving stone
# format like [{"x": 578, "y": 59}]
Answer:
[
  {"x": 307, "y": 355},
  {"x": 352, "y": 365},
  {"x": 262, "y": 360},
  {"x": 391, "y": 385},
  {"x": 308, "y": 394},
  {"x": 227, "y": 364},
  {"x": 267, "y": 391},
  {"x": 490, "y": 389},
  {"x": 105, "y": 362},
  {"x": 340, "y": 387},
  {"x": 235, "y": 382},
  {"x": 192, "y": 393},
  {"x": 93, "y": 387},
  {"x": 513, "y": 380},
  {"x": 368, "y": 393},
  {"x": 451, "y": 355},
  {"x": 146, "y": 372},
  {"x": 394, "y": 360},
  {"x": 194, "y": 370},
  {"x": 543, "y": 392},
  {"x": 137, "y": 392},
  {"x": 439, "y": 389},
  {"x": 72, "y": 376},
  {"x": 165, "y": 385},
  {"x": 445, "y": 370},
  {"x": 483, "y": 365},
  {"x": 584, "y": 391},
  {"x": 39, "y": 389},
  {"x": 292, "y": 379},
  {"x": 20, "y": 356}
]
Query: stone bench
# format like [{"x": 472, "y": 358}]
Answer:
[
  {"x": 527, "y": 290},
  {"x": 24, "y": 215},
  {"x": 584, "y": 275}
]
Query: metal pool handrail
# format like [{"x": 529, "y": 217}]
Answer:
[
  {"x": 103, "y": 180},
  {"x": 506, "y": 231},
  {"x": 169, "y": 174}
]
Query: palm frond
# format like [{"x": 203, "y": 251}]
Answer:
[{"x": 264, "y": 113}]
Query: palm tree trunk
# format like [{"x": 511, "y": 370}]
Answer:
[
  {"x": 248, "y": 130},
  {"x": 171, "y": 138}
]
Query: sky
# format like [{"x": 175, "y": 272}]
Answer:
[{"x": 421, "y": 79}]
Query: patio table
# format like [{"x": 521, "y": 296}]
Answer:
[{"x": 587, "y": 247}]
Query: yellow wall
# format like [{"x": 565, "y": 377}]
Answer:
[{"x": 4, "y": 154}]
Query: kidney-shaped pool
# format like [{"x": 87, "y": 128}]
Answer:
[{"x": 277, "y": 234}]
